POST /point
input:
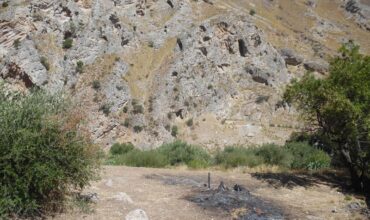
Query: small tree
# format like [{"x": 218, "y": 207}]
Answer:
[
  {"x": 43, "y": 156},
  {"x": 338, "y": 109}
]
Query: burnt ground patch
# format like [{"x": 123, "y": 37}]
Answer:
[
  {"x": 240, "y": 204},
  {"x": 236, "y": 201}
]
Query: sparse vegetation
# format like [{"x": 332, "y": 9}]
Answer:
[
  {"x": 44, "y": 158},
  {"x": 105, "y": 108},
  {"x": 125, "y": 109},
  {"x": 174, "y": 131},
  {"x": 79, "y": 66},
  {"x": 126, "y": 123},
  {"x": 67, "y": 43},
  {"x": 190, "y": 122},
  {"x": 138, "y": 128},
  {"x": 45, "y": 63},
  {"x": 16, "y": 44},
  {"x": 151, "y": 44},
  {"x": 252, "y": 12},
  {"x": 96, "y": 85},
  {"x": 262, "y": 98},
  {"x": 5, "y": 4},
  {"x": 137, "y": 109}
]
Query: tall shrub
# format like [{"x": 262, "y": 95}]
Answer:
[{"x": 43, "y": 155}]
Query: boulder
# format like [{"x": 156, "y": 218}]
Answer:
[
  {"x": 291, "y": 57},
  {"x": 317, "y": 66},
  {"x": 137, "y": 214}
]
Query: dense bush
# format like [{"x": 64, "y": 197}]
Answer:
[
  {"x": 182, "y": 153},
  {"x": 307, "y": 157},
  {"x": 295, "y": 155},
  {"x": 138, "y": 158},
  {"x": 238, "y": 156},
  {"x": 43, "y": 157},
  {"x": 45, "y": 63},
  {"x": 67, "y": 43},
  {"x": 174, "y": 131},
  {"x": 118, "y": 148},
  {"x": 171, "y": 154},
  {"x": 79, "y": 66},
  {"x": 272, "y": 154},
  {"x": 16, "y": 44}
]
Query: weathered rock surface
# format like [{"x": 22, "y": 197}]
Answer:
[
  {"x": 137, "y": 214},
  {"x": 291, "y": 57},
  {"x": 150, "y": 66},
  {"x": 360, "y": 10}
]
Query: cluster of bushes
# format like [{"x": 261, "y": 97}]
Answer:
[
  {"x": 294, "y": 155},
  {"x": 172, "y": 154},
  {"x": 43, "y": 156}
]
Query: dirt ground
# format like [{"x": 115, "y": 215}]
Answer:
[{"x": 169, "y": 194}]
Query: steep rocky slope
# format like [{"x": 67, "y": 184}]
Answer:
[{"x": 210, "y": 72}]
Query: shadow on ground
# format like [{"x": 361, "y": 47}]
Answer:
[
  {"x": 291, "y": 180},
  {"x": 336, "y": 179}
]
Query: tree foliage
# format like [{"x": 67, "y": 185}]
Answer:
[
  {"x": 43, "y": 155},
  {"x": 338, "y": 108}
]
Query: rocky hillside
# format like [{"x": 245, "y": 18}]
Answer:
[{"x": 210, "y": 72}]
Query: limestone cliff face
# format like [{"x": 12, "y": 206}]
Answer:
[{"x": 149, "y": 71}]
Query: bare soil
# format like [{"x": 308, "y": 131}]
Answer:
[{"x": 183, "y": 194}]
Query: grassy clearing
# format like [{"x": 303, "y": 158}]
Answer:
[{"x": 295, "y": 155}]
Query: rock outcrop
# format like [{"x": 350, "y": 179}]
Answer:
[
  {"x": 149, "y": 71},
  {"x": 360, "y": 10}
]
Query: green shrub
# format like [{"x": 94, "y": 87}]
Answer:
[
  {"x": 174, "y": 131},
  {"x": 105, "y": 108},
  {"x": 118, "y": 148},
  {"x": 275, "y": 155},
  {"x": 16, "y": 44},
  {"x": 79, "y": 66},
  {"x": 171, "y": 154},
  {"x": 190, "y": 122},
  {"x": 45, "y": 63},
  {"x": 318, "y": 160},
  {"x": 307, "y": 157},
  {"x": 96, "y": 85},
  {"x": 138, "y": 128},
  {"x": 126, "y": 123},
  {"x": 137, "y": 109},
  {"x": 5, "y": 4},
  {"x": 138, "y": 158},
  {"x": 252, "y": 12},
  {"x": 182, "y": 153},
  {"x": 238, "y": 156},
  {"x": 43, "y": 157},
  {"x": 67, "y": 43}
]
